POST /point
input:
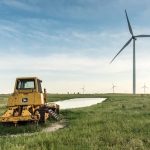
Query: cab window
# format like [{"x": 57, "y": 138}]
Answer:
[{"x": 25, "y": 84}]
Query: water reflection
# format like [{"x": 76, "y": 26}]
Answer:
[{"x": 79, "y": 102}]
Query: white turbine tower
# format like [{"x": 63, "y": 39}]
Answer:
[
  {"x": 133, "y": 37},
  {"x": 144, "y": 87},
  {"x": 83, "y": 89},
  {"x": 113, "y": 88}
]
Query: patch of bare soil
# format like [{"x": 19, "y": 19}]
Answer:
[
  {"x": 55, "y": 126},
  {"x": 52, "y": 128}
]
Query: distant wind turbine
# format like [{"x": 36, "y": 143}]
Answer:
[
  {"x": 144, "y": 87},
  {"x": 113, "y": 88},
  {"x": 83, "y": 89},
  {"x": 133, "y": 37}
]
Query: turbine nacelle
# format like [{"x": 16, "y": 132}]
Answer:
[{"x": 134, "y": 38}]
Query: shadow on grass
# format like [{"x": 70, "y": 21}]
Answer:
[
  {"x": 23, "y": 128},
  {"x": 19, "y": 129}
]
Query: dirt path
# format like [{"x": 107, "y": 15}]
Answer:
[
  {"x": 55, "y": 126},
  {"x": 51, "y": 128}
]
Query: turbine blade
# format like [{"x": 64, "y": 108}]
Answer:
[
  {"x": 128, "y": 42},
  {"x": 142, "y": 35},
  {"x": 129, "y": 25}
]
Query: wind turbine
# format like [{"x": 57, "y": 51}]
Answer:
[
  {"x": 83, "y": 89},
  {"x": 144, "y": 87},
  {"x": 133, "y": 37},
  {"x": 113, "y": 87}
]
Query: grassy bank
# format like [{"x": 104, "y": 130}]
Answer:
[{"x": 121, "y": 122}]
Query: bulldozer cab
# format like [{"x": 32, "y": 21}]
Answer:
[
  {"x": 27, "y": 91},
  {"x": 28, "y": 84}
]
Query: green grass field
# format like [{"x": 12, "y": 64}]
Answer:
[{"x": 121, "y": 122}]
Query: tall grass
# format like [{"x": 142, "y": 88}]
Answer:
[{"x": 121, "y": 122}]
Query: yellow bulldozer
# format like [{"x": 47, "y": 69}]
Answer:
[{"x": 28, "y": 103}]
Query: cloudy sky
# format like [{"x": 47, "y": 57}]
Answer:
[{"x": 69, "y": 44}]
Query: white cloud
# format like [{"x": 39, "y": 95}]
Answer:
[{"x": 62, "y": 73}]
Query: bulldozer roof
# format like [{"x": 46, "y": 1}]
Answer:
[{"x": 27, "y": 78}]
